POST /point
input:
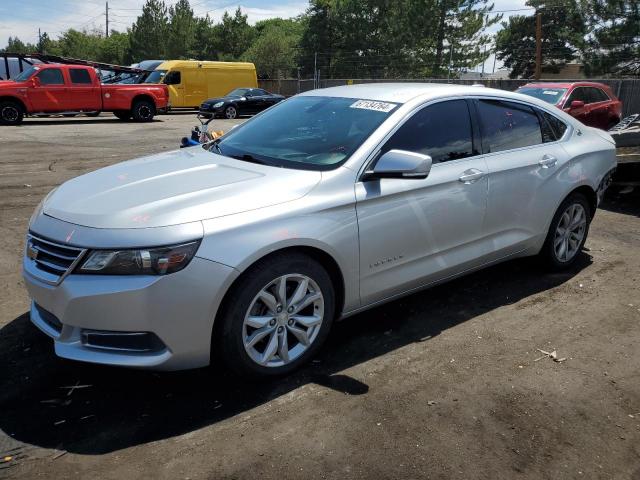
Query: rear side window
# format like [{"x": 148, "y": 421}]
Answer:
[
  {"x": 51, "y": 76},
  {"x": 80, "y": 76},
  {"x": 597, "y": 95},
  {"x": 442, "y": 130},
  {"x": 552, "y": 128},
  {"x": 507, "y": 125}
]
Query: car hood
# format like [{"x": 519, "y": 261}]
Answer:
[
  {"x": 10, "y": 84},
  {"x": 173, "y": 188}
]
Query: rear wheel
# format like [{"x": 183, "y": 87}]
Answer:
[
  {"x": 568, "y": 232},
  {"x": 92, "y": 114},
  {"x": 276, "y": 317},
  {"x": 122, "y": 114},
  {"x": 11, "y": 113},
  {"x": 143, "y": 111}
]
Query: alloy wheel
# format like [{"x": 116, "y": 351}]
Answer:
[
  {"x": 10, "y": 114},
  {"x": 570, "y": 232},
  {"x": 231, "y": 113},
  {"x": 283, "y": 320}
]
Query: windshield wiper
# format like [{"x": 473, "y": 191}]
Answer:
[{"x": 249, "y": 158}]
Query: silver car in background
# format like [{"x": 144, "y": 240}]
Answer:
[{"x": 329, "y": 203}]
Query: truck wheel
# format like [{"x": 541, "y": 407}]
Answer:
[
  {"x": 143, "y": 111},
  {"x": 11, "y": 113},
  {"x": 123, "y": 114},
  {"x": 93, "y": 114}
]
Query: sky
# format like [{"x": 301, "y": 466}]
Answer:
[{"x": 22, "y": 18}]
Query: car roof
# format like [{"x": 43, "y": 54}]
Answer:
[
  {"x": 405, "y": 92},
  {"x": 565, "y": 84}
]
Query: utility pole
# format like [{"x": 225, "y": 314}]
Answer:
[
  {"x": 538, "y": 45},
  {"x": 315, "y": 70},
  {"x": 40, "y": 41},
  {"x": 484, "y": 60},
  {"x": 106, "y": 14},
  {"x": 450, "y": 61}
]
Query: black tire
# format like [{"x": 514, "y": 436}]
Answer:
[
  {"x": 227, "y": 342},
  {"x": 11, "y": 113},
  {"x": 92, "y": 114},
  {"x": 231, "y": 112},
  {"x": 548, "y": 252},
  {"x": 69, "y": 115},
  {"x": 143, "y": 111},
  {"x": 123, "y": 114}
]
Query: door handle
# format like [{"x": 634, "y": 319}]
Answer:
[
  {"x": 548, "y": 161},
  {"x": 471, "y": 175}
]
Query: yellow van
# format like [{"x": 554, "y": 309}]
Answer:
[{"x": 191, "y": 82}]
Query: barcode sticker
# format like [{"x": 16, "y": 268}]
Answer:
[{"x": 371, "y": 105}]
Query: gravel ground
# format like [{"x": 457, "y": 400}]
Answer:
[{"x": 447, "y": 383}]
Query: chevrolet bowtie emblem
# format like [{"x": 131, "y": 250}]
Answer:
[{"x": 32, "y": 252}]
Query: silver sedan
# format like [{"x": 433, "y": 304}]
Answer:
[{"x": 325, "y": 205}]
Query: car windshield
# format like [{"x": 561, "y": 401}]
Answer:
[
  {"x": 308, "y": 132},
  {"x": 24, "y": 76},
  {"x": 156, "y": 76},
  {"x": 549, "y": 95},
  {"x": 238, "y": 92}
]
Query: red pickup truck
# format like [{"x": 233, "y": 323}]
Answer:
[{"x": 69, "y": 89}]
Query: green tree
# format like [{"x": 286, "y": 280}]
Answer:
[
  {"x": 15, "y": 45},
  {"x": 181, "y": 30},
  {"x": 563, "y": 32},
  {"x": 76, "y": 44},
  {"x": 233, "y": 36},
  {"x": 114, "y": 48},
  {"x": 148, "y": 35},
  {"x": 613, "y": 48},
  {"x": 274, "y": 50}
]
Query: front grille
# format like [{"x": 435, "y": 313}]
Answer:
[{"x": 52, "y": 258}]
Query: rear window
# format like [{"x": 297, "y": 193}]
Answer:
[
  {"x": 508, "y": 125},
  {"x": 80, "y": 76},
  {"x": 549, "y": 95}
]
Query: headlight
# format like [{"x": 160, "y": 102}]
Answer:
[
  {"x": 151, "y": 261},
  {"x": 218, "y": 104}
]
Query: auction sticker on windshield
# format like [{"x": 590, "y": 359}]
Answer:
[{"x": 371, "y": 105}]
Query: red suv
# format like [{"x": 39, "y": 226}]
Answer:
[{"x": 592, "y": 103}]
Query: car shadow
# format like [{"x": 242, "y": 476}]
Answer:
[
  {"x": 622, "y": 201},
  {"x": 87, "y": 409},
  {"x": 31, "y": 122}
]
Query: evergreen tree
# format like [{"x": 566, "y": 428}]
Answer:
[
  {"x": 148, "y": 35},
  {"x": 182, "y": 26}
]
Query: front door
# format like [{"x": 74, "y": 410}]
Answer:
[
  {"x": 51, "y": 93},
  {"x": 416, "y": 231},
  {"x": 175, "y": 81}
]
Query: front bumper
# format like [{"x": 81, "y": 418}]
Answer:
[
  {"x": 178, "y": 309},
  {"x": 209, "y": 112}
]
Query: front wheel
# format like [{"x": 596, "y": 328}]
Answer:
[
  {"x": 11, "y": 113},
  {"x": 230, "y": 112},
  {"x": 568, "y": 232},
  {"x": 276, "y": 317},
  {"x": 143, "y": 111}
]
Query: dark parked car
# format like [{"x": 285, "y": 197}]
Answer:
[
  {"x": 592, "y": 103},
  {"x": 241, "y": 101}
]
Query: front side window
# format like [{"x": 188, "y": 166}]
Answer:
[
  {"x": 173, "y": 78},
  {"x": 80, "y": 76},
  {"x": 579, "y": 94},
  {"x": 508, "y": 125},
  {"x": 51, "y": 76},
  {"x": 442, "y": 131},
  {"x": 307, "y": 132},
  {"x": 597, "y": 95}
]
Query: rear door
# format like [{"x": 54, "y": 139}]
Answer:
[
  {"x": 523, "y": 159},
  {"x": 413, "y": 232},
  {"x": 600, "y": 107},
  {"x": 84, "y": 93},
  {"x": 51, "y": 94}
]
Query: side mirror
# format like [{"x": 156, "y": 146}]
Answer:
[
  {"x": 35, "y": 82},
  {"x": 577, "y": 104},
  {"x": 400, "y": 164}
]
